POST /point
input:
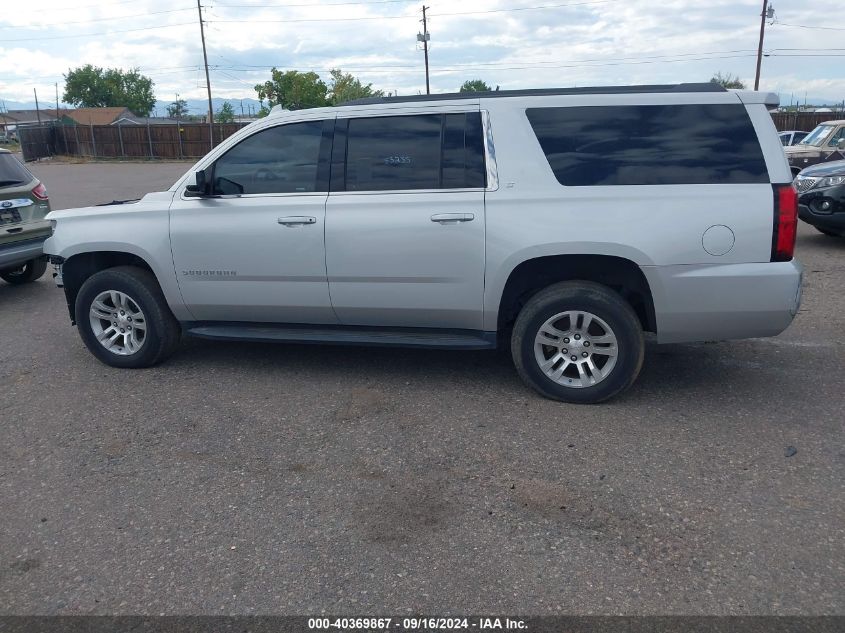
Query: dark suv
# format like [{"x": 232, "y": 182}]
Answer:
[
  {"x": 821, "y": 197},
  {"x": 23, "y": 229}
]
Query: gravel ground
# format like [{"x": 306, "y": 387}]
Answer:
[{"x": 243, "y": 478}]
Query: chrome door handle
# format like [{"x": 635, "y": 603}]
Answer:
[
  {"x": 452, "y": 218},
  {"x": 295, "y": 220}
]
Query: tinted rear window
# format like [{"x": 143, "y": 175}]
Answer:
[
  {"x": 421, "y": 151},
  {"x": 649, "y": 145},
  {"x": 12, "y": 173}
]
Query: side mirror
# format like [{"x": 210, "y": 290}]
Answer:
[
  {"x": 841, "y": 144},
  {"x": 200, "y": 187}
]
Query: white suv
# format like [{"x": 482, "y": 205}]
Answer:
[{"x": 562, "y": 223}]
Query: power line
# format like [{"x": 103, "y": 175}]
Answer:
[
  {"x": 113, "y": 18},
  {"x": 547, "y": 6},
  {"x": 570, "y": 64},
  {"x": 98, "y": 5},
  {"x": 403, "y": 17},
  {"x": 804, "y": 26},
  {"x": 67, "y": 37},
  {"x": 328, "y": 4}
]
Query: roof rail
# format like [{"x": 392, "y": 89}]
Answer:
[{"x": 542, "y": 92}]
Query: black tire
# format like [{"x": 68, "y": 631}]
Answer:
[
  {"x": 30, "y": 271},
  {"x": 162, "y": 329},
  {"x": 600, "y": 301},
  {"x": 828, "y": 232}
]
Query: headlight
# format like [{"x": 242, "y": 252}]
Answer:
[{"x": 831, "y": 181}]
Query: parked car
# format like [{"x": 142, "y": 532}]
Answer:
[
  {"x": 23, "y": 228},
  {"x": 825, "y": 143},
  {"x": 562, "y": 224},
  {"x": 791, "y": 137},
  {"x": 821, "y": 197}
]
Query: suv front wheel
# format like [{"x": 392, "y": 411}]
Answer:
[
  {"x": 124, "y": 319},
  {"x": 578, "y": 341}
]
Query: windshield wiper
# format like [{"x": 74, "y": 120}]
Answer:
[
  {"x": 6, "y": 183},
  {"x": 113, "y": 202}
]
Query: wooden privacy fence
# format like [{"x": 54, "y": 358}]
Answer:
[
  {"x": 805, "y": 121},
  {"x": 37, "y": 141},
  {"x": 156, "y": 141},
  {"x": 168, "y": 141}
]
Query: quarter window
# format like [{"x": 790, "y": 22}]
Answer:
[
  {"x": 282, "y": 159},
  {"x": 649, "y": 145}
]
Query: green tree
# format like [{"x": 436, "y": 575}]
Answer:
[
  {"x": 347, "y": 87},
  {"x": 475, "y": 85},
  {"x": 177, "y": 109},
  {"x": 293, "y": 90},
  {"x": 94, "y": 87},
  {"x": 727, "y": 81},
  {"x": 226, "y": 113}
]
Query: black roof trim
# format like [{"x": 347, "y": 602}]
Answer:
[{"x": 542, "y": 92}]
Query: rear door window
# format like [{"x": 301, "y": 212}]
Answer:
[
  {"x": 413, "y": 152},
  {"x": 649, "y": 145},
  {"x": 12, "y": 172}
]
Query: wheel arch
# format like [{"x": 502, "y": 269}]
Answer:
[
  {"x": 619, "y": 273},
  {"x": 77, "y": 268}
]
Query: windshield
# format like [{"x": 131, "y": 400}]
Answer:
[
  {"x": 12, "y": 173},
  {"x": 817, "y": 136}
]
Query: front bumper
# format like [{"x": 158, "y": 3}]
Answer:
[
  {"x": 811, "y": 208},
  {"x": 18, "y": 253},
  {"x": 724, "y": 301}
]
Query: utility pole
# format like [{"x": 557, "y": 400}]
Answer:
[
  {"x": 57, "y": 101},
  {"x": 767, "y": 13},
  {"x": 424, "y": 37},
  {"x": 37, "y": 109},
  {"x": 207, "y": 80}
]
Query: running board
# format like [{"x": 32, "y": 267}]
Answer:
[{"x": 427, "y": 338}]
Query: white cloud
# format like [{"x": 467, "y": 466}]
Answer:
[{"x": 586, "y": 43}]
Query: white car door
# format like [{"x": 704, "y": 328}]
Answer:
[
  {"x": 254, "y": 250},
  {"x": 405, "y": 220}
]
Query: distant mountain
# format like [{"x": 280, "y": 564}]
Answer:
[{"x": 200, "y": 106}]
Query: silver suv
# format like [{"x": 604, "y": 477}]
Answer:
[{"x": 561, "y": 223}]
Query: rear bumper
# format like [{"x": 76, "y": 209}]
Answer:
[
  {"x": 18, "y": 253},
  {"x": 724, "y": 301}
]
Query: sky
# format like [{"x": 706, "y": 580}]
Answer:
[{"x": 514, "y": 44}]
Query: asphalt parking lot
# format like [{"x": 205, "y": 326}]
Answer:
[{"x": 244, "y": 478}]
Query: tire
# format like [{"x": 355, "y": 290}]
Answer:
[
  {"x": 136, "y": 292},
  {"x": 828, "y": 232},
  {"x": 30, "y": 271},
  {"x": 561, "y": 311}
]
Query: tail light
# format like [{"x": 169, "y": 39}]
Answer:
[
  {"x": 40, "y": 192},
  {"x": 786, "y": 223}
]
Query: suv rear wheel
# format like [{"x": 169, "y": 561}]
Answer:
[
  {"x": 578, "y": 341},
  {"x": 124, "y": 319},
  {"x": 30, "y": 271}
]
